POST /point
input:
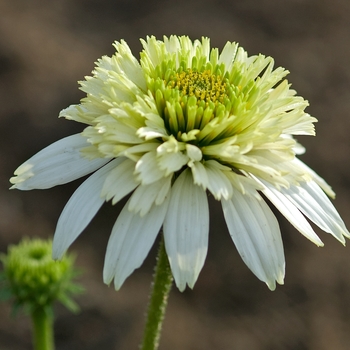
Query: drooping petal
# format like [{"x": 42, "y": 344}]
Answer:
[
  {"x": 186, "y": 228},
  {"x": 57, "y": 164},
  {"x": 313, "y": 203},
  {"x": 291, "y": 213},
  {"x": 79, "y": 210},
  {"x": 172, "y": 162},
  {"x": 256, "y": 234},
  {"x": 146, "y": 195},
  {"x": 170, "y": 156},
  {"x": 200, "y": 176},
  {"x": 147, "y": 170},
  {"x": 213, "y": 176},
  {"x": 131, "y": 239},
  {"x": 218, "y": 184},
  {"x": 194, "y": 153},
  {"x": 120, "y": 181},
  {"x": 318, "y": 179}
]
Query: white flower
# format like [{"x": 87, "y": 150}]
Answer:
[{"x": 183, "y": 120}]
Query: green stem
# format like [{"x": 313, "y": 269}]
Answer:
[
  {"x": 43, "y": 329},
  {"x": 162, "y": 282}
]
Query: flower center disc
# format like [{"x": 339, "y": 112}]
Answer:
[
  {"x": 189, "y": 99},
  {"x": 205, "y": 86}
]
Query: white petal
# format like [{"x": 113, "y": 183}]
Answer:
[
  {"x": 228, "y": 54},
  {"x": 170, "y": 156},
  {"x": 312, "y": 202},
  {"x": 172, "y": 162},
  {"x": 256, "y": 234},
  {"x": 186, "y": 228},
  {"x": 135, "y": 152},
  {"x": 150, "y": 133},
  {"x": 59, "y": 163},
  {"x": 79, "y": 210},
  {"x": 244, "y": 184},
  {"x": 200, "y": 176},
  {"x": 299, "y": 148},
  {"x": 120, "y": 181},
  {"x": 219, "y": 185},
  {"x": 129, "y": 64},
  {"x": 146, "y": 195},
  {"x": 147, "y": 169},
  {"x": 213, "y": 176},
  {"x": 318, "y": 179},
  {"x": 194, "y": 152},
  {"x": 291, "y": 213},
  {"x": 131, "y": 239}
]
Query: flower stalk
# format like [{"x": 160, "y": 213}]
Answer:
[
  {"x": 43, "y": 335},
  {"x": 162, "y": 283}
]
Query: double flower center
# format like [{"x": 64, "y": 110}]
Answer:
[{"x": 188, "y": 100}]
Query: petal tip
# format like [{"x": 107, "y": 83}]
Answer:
[{"x": 56, "y": 254}]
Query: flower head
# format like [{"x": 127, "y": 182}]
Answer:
[
  {"x": 34, "y": 279},
  {"x": 182, "y": 121}
]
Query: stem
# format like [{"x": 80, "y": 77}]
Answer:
[
  {"x": 43, "y": 329},
  {"x": 162, "y": 282}
]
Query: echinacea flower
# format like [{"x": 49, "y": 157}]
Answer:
[{"x": 182, "y": 121}]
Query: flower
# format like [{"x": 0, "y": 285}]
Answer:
[
  {"x": 34, "y": 280},
  {"x": 182, "y": 121}
]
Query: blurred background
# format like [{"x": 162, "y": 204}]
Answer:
[{"x": 47, "y": 46}]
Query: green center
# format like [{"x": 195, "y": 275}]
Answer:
[
  {"x": 188, "y": 100},
  {"x": 38, "y": 253}
]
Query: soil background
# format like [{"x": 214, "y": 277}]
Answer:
[{"x": 47, "y": 46}]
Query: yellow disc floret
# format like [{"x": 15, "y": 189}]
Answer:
[{"x": 203, "y": 85}]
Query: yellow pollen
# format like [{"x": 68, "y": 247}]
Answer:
[{"x": 203, "y": 85}]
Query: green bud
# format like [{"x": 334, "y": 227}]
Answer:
[{"x": 34, "y": 279}]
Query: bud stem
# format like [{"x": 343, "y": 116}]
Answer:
[{"x": 43, "y": 339}]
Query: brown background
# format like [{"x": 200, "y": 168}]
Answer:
[{"x": 46, "y": 46}]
